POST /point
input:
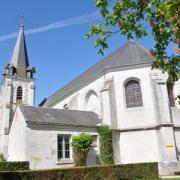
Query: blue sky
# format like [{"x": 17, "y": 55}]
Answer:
[{"x": 59, "y": 54}]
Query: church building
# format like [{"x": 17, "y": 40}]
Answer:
[{"x": 121, "y": 91}]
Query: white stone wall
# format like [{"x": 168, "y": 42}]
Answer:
[
  {"x": 17, "y": 138},
  {"x": 83, "y": 95},
  {"x": 177, "y": 92},
  {"x": 177, "y": 135},
  {"x": 176, "y": 116},
  {"x": 167, "y": 144},
  {"x": 143, "y": 146},
  {"x": 42, "y": 146},
  {"x": 8, "y": 104},
  {"x": 142, "y": 134},
  {"x": 38, "y": 143},
  {"x": 5, "y": 104},
  {"x": 124, "y": 115},
  {"x": 138, "y": 146},
  {"x": 136, "y": 116}
]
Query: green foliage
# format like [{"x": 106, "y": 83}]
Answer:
[
  {"x": 136, "y": 19},
  {"x": 2, "y": 158},
  {"x": 81, "y": 145},
  {"x": 83, "y": 141},
  {"x": 106, "y": 149},
  {"x": 13, "y": 166},
  {"x": 113, "y": 172}
]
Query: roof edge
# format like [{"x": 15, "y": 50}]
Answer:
[
  {"x": 58, "y": 124},
  {"x": 96, "y": 76}
]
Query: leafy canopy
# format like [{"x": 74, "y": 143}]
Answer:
[
  {"x": 137, "y": 19},
  {"x": 82, "y": 141}
]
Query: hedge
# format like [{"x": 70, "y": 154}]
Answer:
[
  {"x": 108, "y": 172},
  {"x": 13, "y": 166}
]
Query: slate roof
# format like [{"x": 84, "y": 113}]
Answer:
[
  {"x": 19, "y": 58},
  {"x": 128, "y": 55},
  {"x": 62, "y": 117}
]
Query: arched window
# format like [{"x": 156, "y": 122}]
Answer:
[
  {"x": 19, "y": 95},
  {"x": 171, "y": 96},
  {"x": 133, "y": 94}
]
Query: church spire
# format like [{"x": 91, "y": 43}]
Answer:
[
  {"x": 20, "y": 57},
  {"x": 19, "y": 62}
]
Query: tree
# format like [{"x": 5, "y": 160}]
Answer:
[
  {"x": 81, "y": 145},
  {"x": 137, "y": 19}
]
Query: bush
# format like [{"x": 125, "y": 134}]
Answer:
[
  {"x": 83, "y": 141},
  {"x": 106, "y": 149},
  {"x": 81, "y": 145},
  {"x": 2, "y": 158},
  {"x": 13, "y": 166},
  {"x": 111, "y": 172}
]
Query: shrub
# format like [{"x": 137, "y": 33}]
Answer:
[
  {"x": 108, "y": 172},
  {"x": 81, "y": 145},
  {"x": 106, "y": 149},
  {"x": 13, "y": 166},
  {"x": 2, "y": 158}
]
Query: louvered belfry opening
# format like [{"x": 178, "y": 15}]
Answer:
[
  {"x": 171, "y": 96},
  {"x": 19, "y": 95},
  {"x": 133, "y": 94}
]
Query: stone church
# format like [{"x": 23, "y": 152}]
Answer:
[{"x": 121, "y": 91}]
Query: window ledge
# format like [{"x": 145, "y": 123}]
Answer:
[
  {"x": 68, "y": 161},
  {"x": 134, "y": 107}
]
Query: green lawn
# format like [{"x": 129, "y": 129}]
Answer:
[
  {"x": 171, "y": 179},
  {"x": 164, "y": 179}
]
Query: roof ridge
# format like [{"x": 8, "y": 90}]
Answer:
[{"x": 41, "y": 107}]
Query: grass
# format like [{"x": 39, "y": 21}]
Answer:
[{"x": 170, "y": 178}]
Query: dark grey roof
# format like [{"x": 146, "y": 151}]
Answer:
[
  {"x": 50, "y": 116},
  {"x": 130, "y": 54},
  {"x": 19, "y": 58}
]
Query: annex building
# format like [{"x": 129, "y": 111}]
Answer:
[{"x": 121, "y": 91}]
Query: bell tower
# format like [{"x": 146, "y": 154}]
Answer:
[{"x": 17, "y": 88}]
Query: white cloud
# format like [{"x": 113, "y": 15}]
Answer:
[{"x": 59, "y": 24}]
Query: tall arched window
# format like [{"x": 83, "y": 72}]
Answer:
[
  {"x": 19, "y": 95},
  {"x": 171, "y": 96},
  {"x": 133, "y": 94}
]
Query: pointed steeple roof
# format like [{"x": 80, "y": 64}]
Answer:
[{"x": 19, "y": 58}]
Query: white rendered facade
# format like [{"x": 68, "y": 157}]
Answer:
[
  {"x": 8, "y": 104},
  {"x": 37, "y": 143},
  {"x": 148, "y": 133}
]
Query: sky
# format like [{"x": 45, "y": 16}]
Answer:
[{"x": 55, "y": 38}]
